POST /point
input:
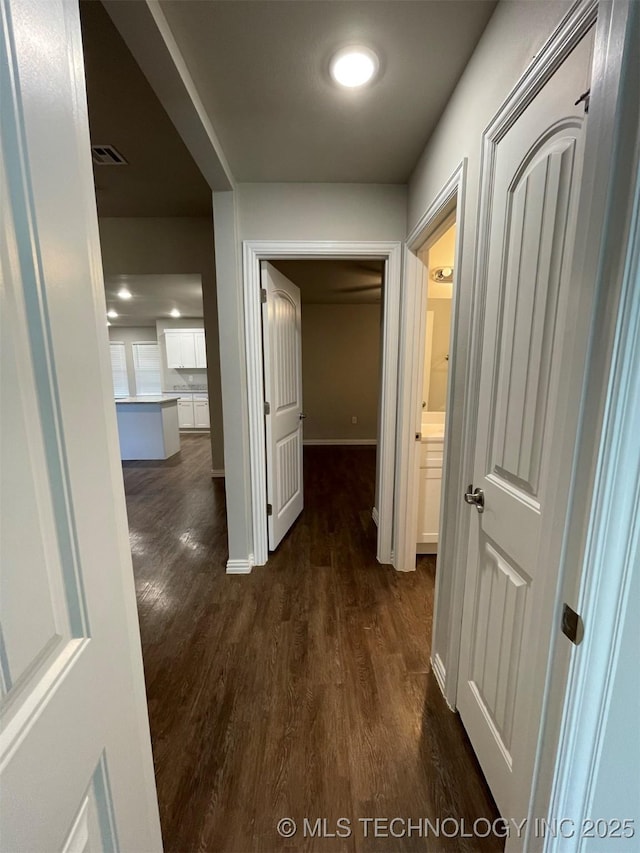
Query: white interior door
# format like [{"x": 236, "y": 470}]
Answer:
[
  {"x": 282, "y": 342},
  {"x": 509, "y": 594},
  {"x": 75, "y": 760}
]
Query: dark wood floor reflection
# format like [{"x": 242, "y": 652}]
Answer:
[{"x": 302, "y": 690}]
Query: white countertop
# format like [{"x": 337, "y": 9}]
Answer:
[
  {"x": 432, "y": 432},
  {"x": 186, "y": 393},
  {"x": 149, "y": 399}
]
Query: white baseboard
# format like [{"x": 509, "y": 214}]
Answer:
[
  {"x": 339, "y": 441},
  {"x": 441, "y": 676},
  {"x": 426, "y": 548},
  {"x": 217, "y": 472},
  {"x": 374, "y": 516},
  {"x": 240, "y": 567}
]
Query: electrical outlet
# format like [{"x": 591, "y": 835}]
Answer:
[{"x": 354, "y": 419}]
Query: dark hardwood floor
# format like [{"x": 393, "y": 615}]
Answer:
[{"x": 301, "y": 690}]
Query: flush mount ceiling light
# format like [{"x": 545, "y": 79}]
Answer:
[
  {"x": 354, "y": 66},
  {"x": 443, "y": 275},
  {"x": 111, "y": 313},
  {"x": 123, "y": 293},
  {"x": 174, "y": 312}
]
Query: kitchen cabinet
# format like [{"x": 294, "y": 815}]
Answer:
[
  {"x": 193, "y": 411},
  {"x": 185, "y": 348},
  {"x": 201, "y": 353},
  {"x": 430, "y": 487},
  {"x": 201, "y": 414},
  {"x": 186, "y": 418}
]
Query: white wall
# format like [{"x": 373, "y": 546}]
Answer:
[
  {"x": 340, "y": 370},
  {"x": 129, "y": 335},
  {"x": 439, "y": 354},
  {"x": 324, "y": 212},
  {"x": 173, "y": 245},
  {"x": 514, "y": 34}
]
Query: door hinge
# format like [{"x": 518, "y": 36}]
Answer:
[
  {"x": 267, "y": 408},
  {"x": 263, "y": 295},
  {"x": 572, "y": 625},
  {"x": 585, "y": 97},
  {"x": 269, "y": 509}
]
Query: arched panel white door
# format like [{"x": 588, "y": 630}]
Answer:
[
  {"x": 282, "y": 342},
  {"x": 509, "y": 593}
]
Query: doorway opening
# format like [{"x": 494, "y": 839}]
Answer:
[
  {"x": 156, "y": 256},
  {"x": 438, "y": 256},
  {"x": 389, "y": 255},
  {"x": 321, "y": 335}
]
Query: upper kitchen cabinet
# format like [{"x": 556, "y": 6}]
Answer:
[
  {"x": 201, "y": 353},
  {"x": 185, "y": 348}
]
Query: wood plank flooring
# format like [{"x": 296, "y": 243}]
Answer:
[{"x": 302, "y": 690}]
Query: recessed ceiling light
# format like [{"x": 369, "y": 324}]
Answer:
[
  {"x": 111, "y": 313},
  {"x": 174, "y": 312},
  {"x": 123, "y": 293},
  {"x": 354, "y": 66}
]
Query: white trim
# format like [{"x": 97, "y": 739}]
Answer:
[
  {"x": 414, "y": 312},
  {"x": 252, "y": 253},
  {"x": 601, "y": 536},
  {"x": 611, "y": 555},
  {"x": 441, "y": 676},
  {"x": 375, "y": 516},
  {"x": 240, "y": 567},
  {"x": 340, "y": 441}
]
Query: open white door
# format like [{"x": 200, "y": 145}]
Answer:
[
  {"x": 282, "y": 342},
  {"x": 510, "y": 591},
  {"x": 75, "y": 761}
]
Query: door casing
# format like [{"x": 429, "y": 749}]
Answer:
[
  {"x": 452, "y": 535},
  {"x": 253, "y": 253}
]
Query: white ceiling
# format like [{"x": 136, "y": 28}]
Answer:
[
  {"x": 335, "y": 281},
  {"x": 153, "y": 298},
  {"x": 261, "y": 70}
]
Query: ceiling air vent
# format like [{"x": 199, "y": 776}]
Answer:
[{"x": 107, "y": 155}]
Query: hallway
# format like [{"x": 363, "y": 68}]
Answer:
[{"x": 302, "y": 690}]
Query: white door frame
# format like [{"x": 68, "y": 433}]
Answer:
[{"x": 254, "y": 251}]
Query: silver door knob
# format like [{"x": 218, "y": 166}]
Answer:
[
  {"x": 475, "y": 497},
  {"x": 301, "y": 416}
]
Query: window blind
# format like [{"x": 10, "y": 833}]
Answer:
[
  {"x": 119, "y": 370},
  {"x": 146, "y": 363}
]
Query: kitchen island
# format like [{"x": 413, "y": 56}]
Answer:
[{"x": 148, "y": 427}]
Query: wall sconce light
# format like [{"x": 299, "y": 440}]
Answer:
[{"x": 443, "y": 275}]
